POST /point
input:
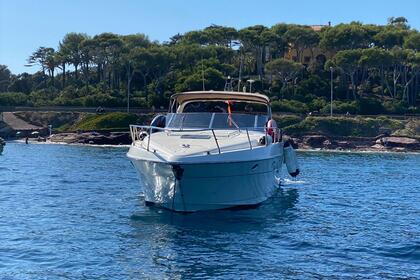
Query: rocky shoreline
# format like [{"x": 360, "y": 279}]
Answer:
[
  {"x": 306, "y": 134},
  {"x": 306, "y": 142},
  {"x": 379, "y": 143},
  {"x": 92, "y": 138}
]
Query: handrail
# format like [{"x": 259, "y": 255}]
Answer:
[
  {"x": 148, "y": 138},
  {"x": 249, "y": 140},
  {"x": 215, "y": 139},
  {"x": 136, "y": 132},
  {"x": 198, "y": 129}
]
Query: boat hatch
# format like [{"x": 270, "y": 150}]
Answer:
[{"x": 192, "y": 136}]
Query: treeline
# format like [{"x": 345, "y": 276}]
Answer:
[{"x": 375, "y": 68}]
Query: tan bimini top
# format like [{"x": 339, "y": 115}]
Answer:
[{"x": 183, "y": 97}]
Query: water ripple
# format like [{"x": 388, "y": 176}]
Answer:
[{"x": 70, "y": 212}]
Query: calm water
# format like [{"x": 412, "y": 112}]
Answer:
[{"x": 70, "y": 212}]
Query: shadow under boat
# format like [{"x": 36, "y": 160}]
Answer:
[{"x": 280, "y": 207}]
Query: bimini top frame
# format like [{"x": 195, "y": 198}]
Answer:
[{"x": 183, "y": 97}]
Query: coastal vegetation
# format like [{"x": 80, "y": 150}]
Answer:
[
  {"x": 77, "y": 121},
  {"x": 110, "y": 121},
  {"x": 295, "y": 125},
  {"x": 343, "y": 126},
  {"x": 375, "y": 68}
]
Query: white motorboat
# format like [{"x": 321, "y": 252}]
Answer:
[{"x": 213, "y": 150}]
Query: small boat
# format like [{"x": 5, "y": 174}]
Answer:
[{"x": 213, "y": 150}]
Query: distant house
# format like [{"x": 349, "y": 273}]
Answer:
[{"x": 310, "y": 54}]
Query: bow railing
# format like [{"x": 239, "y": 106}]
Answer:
[{"x": 144, "y": 133}]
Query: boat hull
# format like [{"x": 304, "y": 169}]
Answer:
[{"x": 208, "y": 186}]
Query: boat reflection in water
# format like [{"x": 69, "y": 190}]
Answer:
[
  {"x": 210, "y": 243},
  {"x": 279, "y": 208}
]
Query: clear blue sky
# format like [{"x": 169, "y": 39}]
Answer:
[{"x": 27, "y": 24}]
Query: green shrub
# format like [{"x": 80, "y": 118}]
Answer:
[
  {"x": 70, "y": 92},
  {"x": 369, "y": 106},
  {"x": 317, "y": 104},
  {"x": 63, "y": 101},
  {"x": 340, "y": 107},
  {"x": 291, "y": 106},
  {"x": 413, "y": 110},
  {"x": 101, "y": 100},
  {"x": 313, "y": 85},
  {"x": 13, "y": 99},
  {"x": 395, "y": 107},
  {"x": 43, "y": 97},
  {"x": 138, "y": 102},
  {"x": 115, "y": 120},
  {"x": 344, "y": 126},
  {"x": 286, "y": 120}
]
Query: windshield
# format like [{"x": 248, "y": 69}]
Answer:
[
  {"x": 223, "y": 107},
  {"x": 215, "y": 121}
]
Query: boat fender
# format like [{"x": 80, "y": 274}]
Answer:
[
  {"x": 271, "y": 129},
  {"x": 290, "y": 159},
  {"x": 178, "y": 171}
]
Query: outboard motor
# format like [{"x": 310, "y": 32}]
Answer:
[
  {"x": 290, "y": 159},
  {"x": 158, "y": 121}
]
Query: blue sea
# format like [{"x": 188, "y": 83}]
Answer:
[{"x": 77, "y": 212}]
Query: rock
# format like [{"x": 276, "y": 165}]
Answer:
[
  {"x": 403, "y": 142},
  {"x": 327, "y": 144},
  {"x": 94, "y": 138},
  {"x": 296, "y": 140},
  {"x": 315, "y": 141},
  {"x": 98, "y": 140},
  {"x": 381, "y": 136},
  {"x": 120, "y": 137},
  {"x": 294, "y": 143},
  {"x": 6, "y": 131},
  {"x": 378, "y": 147},
  {"x": 64, "y": 138},
  {"x": 344, "y": 144}
]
